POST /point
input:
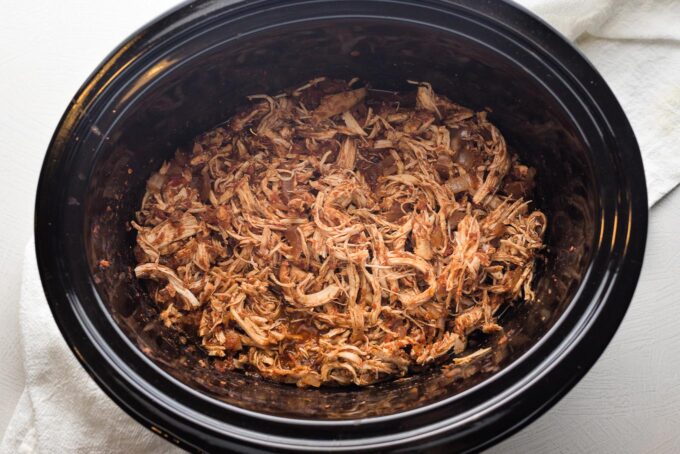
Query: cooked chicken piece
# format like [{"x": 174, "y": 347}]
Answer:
[
  {"x": 422, "y": 236},
  {"x": 319, "y": 298},
  {"x": 338, "y": 103},
  {"x": 405, "y": 259},
  {"x": 352, "y": 124},
  {"x": 450, "y": 341},
  {"x": 497, "y": 169},
  {"x": 160, "y": 272},
  {"x": 425, "y": 98},
  {"x": 348, "y": 154},
  {"x": 157, "y": 240}
]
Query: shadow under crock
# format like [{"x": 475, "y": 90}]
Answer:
[{"x": 186, "y": 83}]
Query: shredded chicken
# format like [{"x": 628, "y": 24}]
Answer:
[{"x": 339, "y": 235}]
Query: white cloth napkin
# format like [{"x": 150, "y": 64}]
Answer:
[
  {"x": 61, "y": 408},
  {"x": 634, "y": 44}
]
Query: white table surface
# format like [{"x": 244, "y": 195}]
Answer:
[{"x": 628, "y": 403}]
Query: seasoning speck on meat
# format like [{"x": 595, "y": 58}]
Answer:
[{"x": 336, "y": 235}]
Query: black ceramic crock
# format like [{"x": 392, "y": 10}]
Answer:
[{"x": 189, "y": 69}]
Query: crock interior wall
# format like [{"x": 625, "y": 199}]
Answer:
[{"x": 169, "y": 103}]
